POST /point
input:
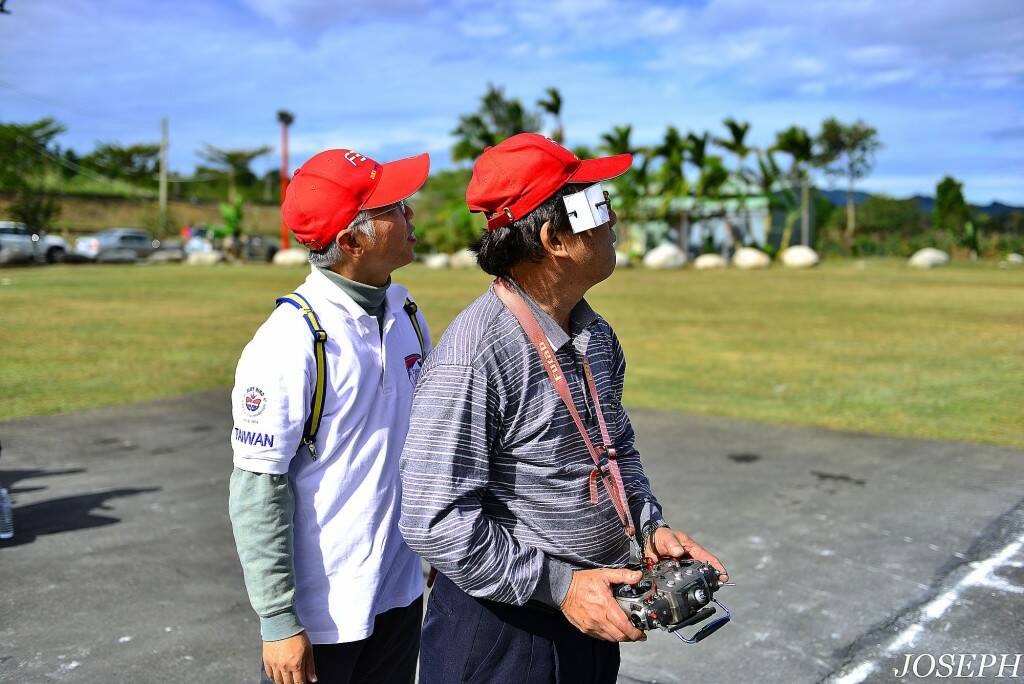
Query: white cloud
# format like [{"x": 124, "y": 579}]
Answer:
[
  {"x": 888, "y": 77},
  {"x": 873, "y": 54},
  {"x": 316, "y": 16},
  {"x": 808, "y": 66},
  {"x": 812, "y": 88},
  {"x": 397, "y": 73}
]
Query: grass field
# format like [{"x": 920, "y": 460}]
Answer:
[{"x": 869, "y": 347}]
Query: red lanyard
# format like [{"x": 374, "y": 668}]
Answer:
[{"x": 605, "y": 466}]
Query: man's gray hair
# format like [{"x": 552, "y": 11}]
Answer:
[{"x": 332, "y": 254}]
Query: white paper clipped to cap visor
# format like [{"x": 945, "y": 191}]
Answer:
[{"x": 587, "y": 208}]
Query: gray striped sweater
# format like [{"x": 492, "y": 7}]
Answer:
[{"x": 494, "y": 472}]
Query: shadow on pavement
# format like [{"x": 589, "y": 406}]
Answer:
[
  {"x": 64, "y": 514},
  {"x": 8, "y": 478}
]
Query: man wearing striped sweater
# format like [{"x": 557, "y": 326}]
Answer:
[{"x": 501, "y": 477}]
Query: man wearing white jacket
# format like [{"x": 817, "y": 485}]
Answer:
[{"x": 321, "y": 408}]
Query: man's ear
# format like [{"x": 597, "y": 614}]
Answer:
[
  {"x": 554, "y": 244},
  {"x": 349, "y": 243}
]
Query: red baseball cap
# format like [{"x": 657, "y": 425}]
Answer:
[
  {"x": 518, "y": 174},
  {"x": 333, "y": 186}
]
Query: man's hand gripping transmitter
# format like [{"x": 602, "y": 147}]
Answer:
[{"x": 673, "y": 594}]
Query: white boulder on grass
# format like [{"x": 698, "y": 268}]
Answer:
[
  {"x": 210, "y": 258},
  {"x": 747, "y": 258},
  {"x": 665, "y": 256},
  {"x": 621, "y": 260},
  {"x": 164, "y": 256},
  {"x": 463, "y": 259},
  {"x": 1015, "y": 258},
  {"x": 799, "y": 256},
  {"x": 293, "y": 256},
  {"x": 437, "y": 262},
  {"x": 929, "y": 257},
  {"x": 707, "y": 262}
]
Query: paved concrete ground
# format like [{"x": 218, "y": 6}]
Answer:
[{"x": 848, "y": 550}]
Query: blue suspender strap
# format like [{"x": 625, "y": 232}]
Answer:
[{"x": 320, "y": 386}]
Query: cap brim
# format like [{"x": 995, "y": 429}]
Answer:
[
  {"x": 398, "y": 180},
  {"x": 593, "y": 170}
]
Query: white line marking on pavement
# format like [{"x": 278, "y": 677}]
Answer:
[
  {"x": 858, "y": 674},
  {"x": 982, "y": 574}
]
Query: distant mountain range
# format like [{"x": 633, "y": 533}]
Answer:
[{"x": 995, "y": 209}]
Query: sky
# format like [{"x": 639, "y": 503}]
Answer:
[{"x": 942, "y": 81}]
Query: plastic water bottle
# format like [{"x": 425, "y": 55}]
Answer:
[{"x": 6, "y": 516}]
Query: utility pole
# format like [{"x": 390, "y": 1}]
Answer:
[
  {"x": 163, "y": 178},
  {"x": 285, "y": 118}
]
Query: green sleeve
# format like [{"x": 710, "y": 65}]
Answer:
[{"x": 261, "y": 506}]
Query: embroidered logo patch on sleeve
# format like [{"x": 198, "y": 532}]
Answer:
[{"x": 255, "y": 402}]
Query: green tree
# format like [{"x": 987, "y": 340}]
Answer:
[
  {"x": 583, "y": 152},
  {"x": 737, "y": 145},
  {"x": 497, "y": 118},
  {"x": 443, "y": 223},
  {"x": 710, "y": 186},
  {"x": 848, "y": 151},
  {"x": 886, "y": 225},
  {"x": 798, "y": 144},
  {"x": 69, "y": 167},
  {"x": 139, "y": 163},
  {"x": 37, "y": 211},
  {"x": 951, "y": 211},
  {"x": 26, "y": 151},
  {"x": 768, "y": 178},
  {"x": 673, "y": 185},
  {"x": 233, "y": 164},
  {"x": 630, "y": 187},
  {"x": 551, "y": 104},
  {"x": 711, "y": 175}
]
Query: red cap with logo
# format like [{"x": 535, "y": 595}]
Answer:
[
  {"x": 518, "y": 174},
  {"x": 333, "y": 186}
]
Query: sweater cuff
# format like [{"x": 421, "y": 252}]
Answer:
[
  {"x": 280, "y": 625},
  {"x": 648, "y": 512},
  {"x": 555, "y": 578}
]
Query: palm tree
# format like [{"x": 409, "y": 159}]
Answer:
[
  {"x": 497, "y": 118},
  {"x": 552, "y": 104},
  {"x": 232, "y": 163},
  {"x": 711, "y": 186},
  {"x": 709, "y": 173},
  {"x": 631, "y": 187},
  {"x": 617, "y": 140},
  {"x": 736, "y": 143},
  {"x": 672, "y": 183},
  {"x": 797, "y": 143},
  {"x": 768, "y": 177}
]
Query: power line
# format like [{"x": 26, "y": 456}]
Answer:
[
  {"x": 78, "y": 168},
  {"x": 86, "y": 171},
  {"x": 104, "y": 117},
  {"x": 57, "y": 103}
]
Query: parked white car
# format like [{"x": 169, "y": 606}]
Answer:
[
  {"x": 19, "y": 244},
  {"x": 116, "y": 244}
]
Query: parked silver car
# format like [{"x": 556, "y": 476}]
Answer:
[
  {"x": 116, "y": 244},
  {"x": 20, "y": 244}
]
